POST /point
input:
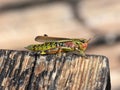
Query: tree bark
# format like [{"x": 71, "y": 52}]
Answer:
[{"x": 23, "y": 70}]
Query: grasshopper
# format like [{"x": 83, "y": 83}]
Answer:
[{"x": 56, "y": 45}]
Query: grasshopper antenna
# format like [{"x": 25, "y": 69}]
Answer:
[{"x": 88, "y": 39}]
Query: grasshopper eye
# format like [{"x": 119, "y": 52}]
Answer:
[{"x": 83, "y": 41}]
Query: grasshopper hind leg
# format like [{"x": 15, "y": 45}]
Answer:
[
  {"x": 59, "y": 52},
  {"x": 42, "y": 52}
]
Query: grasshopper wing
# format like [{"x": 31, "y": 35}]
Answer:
[{"x": 51, "y": 39}]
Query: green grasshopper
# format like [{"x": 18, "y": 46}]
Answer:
[{"x": 56, "y": 45}]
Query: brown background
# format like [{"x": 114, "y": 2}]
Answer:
[{"x": 22, "y": 20}]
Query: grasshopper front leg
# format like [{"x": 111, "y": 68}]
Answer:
[{"x": 81, "y": 52}]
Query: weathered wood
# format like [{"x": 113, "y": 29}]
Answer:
[{"x": 23, "y": 70}]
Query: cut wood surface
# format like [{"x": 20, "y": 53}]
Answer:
[{"x": 24, "y": 70}]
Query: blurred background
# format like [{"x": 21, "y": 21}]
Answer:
[{"x": 22, "y": 20}]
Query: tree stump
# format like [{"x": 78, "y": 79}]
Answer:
[{"x": 24, "y": 70}]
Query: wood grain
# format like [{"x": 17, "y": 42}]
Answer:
[{"x": 23, "y": 70}]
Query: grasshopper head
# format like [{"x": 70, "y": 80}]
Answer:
[{"x": 83, "y": 44}]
